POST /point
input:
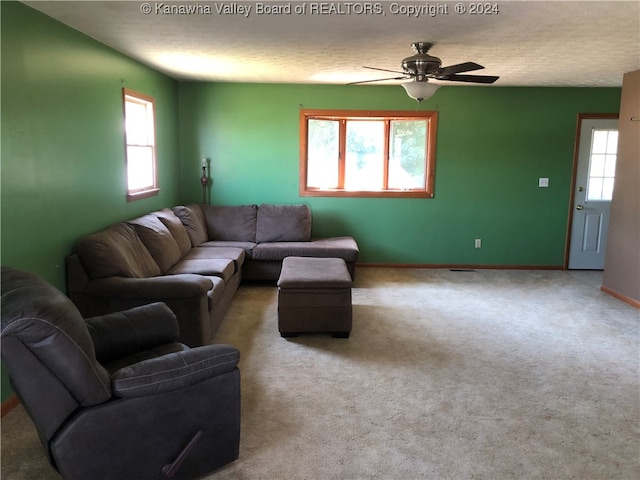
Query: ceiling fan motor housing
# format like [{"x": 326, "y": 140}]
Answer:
[{"x": 421, "y": 64}]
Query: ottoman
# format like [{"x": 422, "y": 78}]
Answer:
[{"x": 314, "y": 295}]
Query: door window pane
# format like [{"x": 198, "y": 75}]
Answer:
[
  {"x": 612, "y": 142},
  {"x": 607, "y": 188},
  {"x": 597, "y": 165},
  {"x": 599, "y": 141}
]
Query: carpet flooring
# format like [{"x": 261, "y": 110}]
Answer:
[{"x": 487, "y": 374}]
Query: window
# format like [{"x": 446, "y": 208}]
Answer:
[
  {"x": 140, "y": 145},
  {"x": 602, "y": 164},
  {"x": 367, "y": 153}
]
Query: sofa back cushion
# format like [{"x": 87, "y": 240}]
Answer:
[
  {"x": 116, "y": 251},
  {"x": 192, "y": 218},
  {"x": 231, "y": 223},
  {"x": 158, "y": 240},
  {"x": 51, "y": 328},
  {"x": 283, "y": 223},
  {"x": 175, "y": 226}
]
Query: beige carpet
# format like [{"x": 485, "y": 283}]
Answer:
[{"x": 447, "y": 375}]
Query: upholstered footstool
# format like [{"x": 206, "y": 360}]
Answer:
[{"x": 314, "y": 295}]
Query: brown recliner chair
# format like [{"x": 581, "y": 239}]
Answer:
[{"x": 116, "y": 396}]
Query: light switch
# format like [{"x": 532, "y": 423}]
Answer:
[{"x": 543, "y": 182}]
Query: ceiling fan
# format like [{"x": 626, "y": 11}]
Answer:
[{"x": 421, "y": 67}]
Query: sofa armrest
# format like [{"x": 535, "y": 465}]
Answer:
[
  {"x": 154, "y": 288},
  {"x": 174, "y": 371},
  {"x": 120, "y": 334}
]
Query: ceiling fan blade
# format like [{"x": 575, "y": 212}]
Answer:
[
  {"x": 468, "y": 78},
  {"x": 379, "y": 80},
  {"x": 385, "y": 70},
  {"x": 459, "y": 68}
]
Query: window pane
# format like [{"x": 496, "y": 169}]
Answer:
[
  {"x": 612, "y": 142},
  {"x": 596, "y": 167},
  {"x": 138, "y": 124},
  {"x": 364, "y": 160},
  {"x": 599, "y": 141},
  {"x": 140, "y": 167},
  {"x": 607, "y": 189},
  {"x": 610, "y": 166},
  {"x": 407, "y": 145},
  {"x": 594, "y": 190},
  {"x": 323, "y": 148}
]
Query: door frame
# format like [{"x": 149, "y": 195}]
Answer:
[{"x": 574, "y": 173}]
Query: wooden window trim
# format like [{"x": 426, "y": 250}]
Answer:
[{"x": 342, "y": 116}]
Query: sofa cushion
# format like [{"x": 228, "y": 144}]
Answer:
[
  {"x": 236, "y": 254},
  {"x": 49, "y": 327},
  {"x": 313, "y": 272},
  {"x": 221, "y": 267},
  {"x": 120, "y": 334},
  {"x": 235, "y": 223},
  {"x": 283, "y": 223},
  {"x": 193, "y": 220},
  {"x": 337, "y": 247},
  {"x": 116, "y": 251},
  {"x": 246, "y": 246},
  {"x": 175, "y": 226},
  {"x": 158, "y": 240}
]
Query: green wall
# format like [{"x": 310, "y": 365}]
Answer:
[
  {"x": 63, "y": 156},
  {"x": 63, "y": 165},
  {"x": 493, "y": 144}
]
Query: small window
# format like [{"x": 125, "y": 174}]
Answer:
[
  {"x": 140, "y": 145},
  {"x": 367, "y": 153},
  {"x": 602, "y": 164}
]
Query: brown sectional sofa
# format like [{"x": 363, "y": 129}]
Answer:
[{"x": 193, "y": 258}]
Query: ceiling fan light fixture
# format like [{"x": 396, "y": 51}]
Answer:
[{"x": 420, "y": 90}]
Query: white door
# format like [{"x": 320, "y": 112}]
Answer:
[{"x": 597, "y": 153}]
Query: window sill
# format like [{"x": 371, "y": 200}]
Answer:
[
  {"x": 367, "y": 193},
  {"x": 132, "y": 197}
]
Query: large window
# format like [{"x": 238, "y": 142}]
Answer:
[
  {"x": 367, "y": 153},
  {"x": 140, "y": 145}
]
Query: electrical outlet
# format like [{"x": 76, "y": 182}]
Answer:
[
  {"x": 543, "y": 182},
  {"x": 478, "y": 243}
]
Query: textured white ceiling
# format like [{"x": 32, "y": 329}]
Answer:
[{"x": 526, "y": 43}]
